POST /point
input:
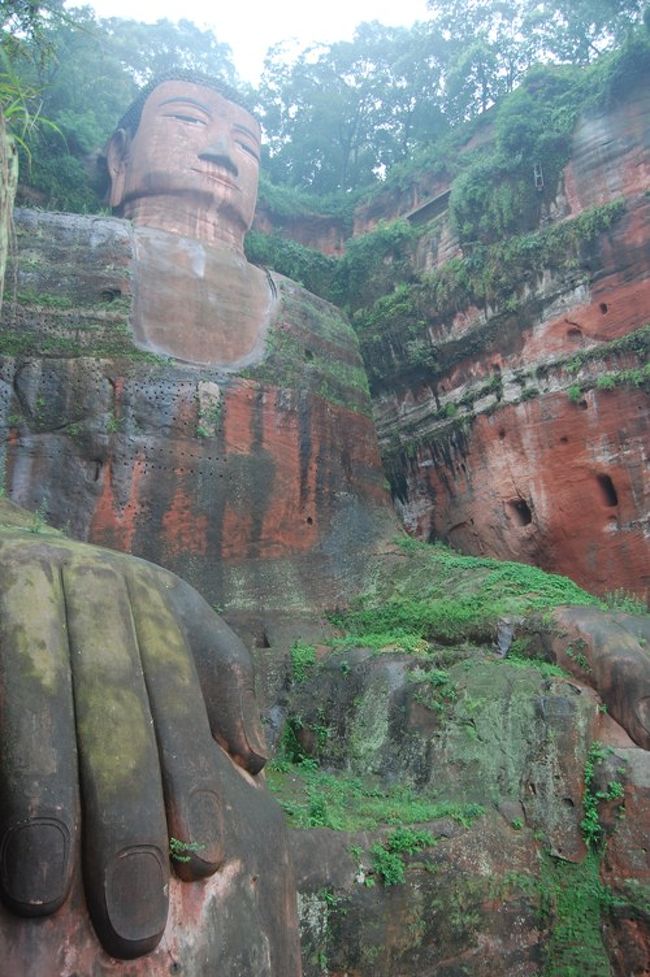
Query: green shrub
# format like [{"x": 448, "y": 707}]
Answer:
[
  {"x": 590, "y": 825},
  {"x": 388, "y": 857},
  {"x": 375, "y": 263},
  {"x": 303, "y": 660},
  {"x": 310, "y": 268}
]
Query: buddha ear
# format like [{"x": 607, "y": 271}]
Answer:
[{"x": 116, "y": 153}]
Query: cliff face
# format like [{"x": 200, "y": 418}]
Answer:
[
  {"x": 465, "y": 810},
  {"x": 529, "y": 438},
  {"x": 517, "y": 428},
  {"x": 324, "y": 233},
  {"x": 262, "y": 487}
]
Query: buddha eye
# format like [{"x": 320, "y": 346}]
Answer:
[
  {"x": 248, "y": 149},
  {"x": 189, "y": 119}
]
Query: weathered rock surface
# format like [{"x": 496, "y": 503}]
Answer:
[
  {"x": 263, "y": 487},
  {"x": 545, "y": 459},
  {"x": 524, "y": 775},
  {"x": 479, "y": 731},
  {"x": 582, "y": 640},
  {"x": 531, "y": 444},
  {"x": 457, "y": 913},
  {"x": 514, "y": 891}
]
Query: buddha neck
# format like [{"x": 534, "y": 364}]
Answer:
[{"x": 178, "y": 216}]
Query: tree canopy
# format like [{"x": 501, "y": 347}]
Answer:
[{"x": 337, "y": 117}]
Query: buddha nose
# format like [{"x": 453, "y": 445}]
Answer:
[{"x": 219, "y": 152}]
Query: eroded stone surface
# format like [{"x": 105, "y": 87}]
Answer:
[
  {"x": 545, "y": 459},
  {"x": 516, "y": 889},
  {"x": 454, "y": 915},
  {"x": 264, "y": 489}
]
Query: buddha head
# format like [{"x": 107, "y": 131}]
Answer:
[{"x": 185, "y": 158}]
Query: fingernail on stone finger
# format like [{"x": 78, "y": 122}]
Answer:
[
  {"x": 206, "y": 830},
  {"x": 35, "y": 865},
  {"x": 136, "y": 893}
]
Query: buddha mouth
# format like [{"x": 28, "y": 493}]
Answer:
[{"x": 216, "y": 177}]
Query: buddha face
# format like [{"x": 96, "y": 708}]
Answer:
[{"x": 194, "y": 145}]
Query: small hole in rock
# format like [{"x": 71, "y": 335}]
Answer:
[
  {"x": 607, "y": 490},
  {"x": 521, "y": 511},
  {"x": 564, "y": 439},
  {"x": 574, "y": 333},
  {"x": 309, "y": 354},
  {"x": 309, "y": 520},
  {"x": 502, "y": 433},
  {"x": 109, "y": 294},
  {"x": 603, "y": 308},
  {"x": 568, "y": 802}
]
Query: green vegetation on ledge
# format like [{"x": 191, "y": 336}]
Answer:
[
  {"x": 312, "y": 269},
  {"x": 372, "y": 264},
  {"x": 431, "y": 592},
  {"x": 314, "y": 798},
  {"x": 492, "y": 275},
  {"x": 573, "y": 899}
]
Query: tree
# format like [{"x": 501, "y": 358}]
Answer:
[
  {"x": 579, "y": 30},
  {"x": 148, "y": 50},
  {"x": 339, "y": 114},
  {"x": 491, "y": 43}
]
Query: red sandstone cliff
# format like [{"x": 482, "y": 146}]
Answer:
[
  {"x": 263, "y": 487},
  {"x": 533, "y": 443}
]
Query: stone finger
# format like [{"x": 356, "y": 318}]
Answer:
[
  {"x": 189, "y": 757},
  {"x": 125, "y": 841},
  {"x": 226, "y": 674},
  {"x": 39, "y": 801}
]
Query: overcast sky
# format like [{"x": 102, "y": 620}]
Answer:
[{"x": 250, "y": 27}]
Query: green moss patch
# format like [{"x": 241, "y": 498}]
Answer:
[
  {"x": 430, "y": 592},
  {"x": 314, "y": 798}
]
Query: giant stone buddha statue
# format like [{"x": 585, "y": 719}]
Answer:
[
  {"x": 184, "y": 168},
  {"x": 242, "y": 455},
  {"x": 133, "y": 821},
  {"x": 223, "y": 428}
]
